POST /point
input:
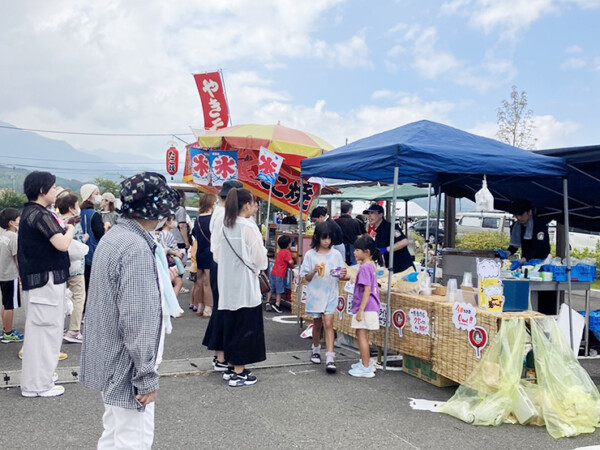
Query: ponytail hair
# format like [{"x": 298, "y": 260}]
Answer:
[
  {"x": 366, "y": 242},
  {"x": 236, "y": 199}
]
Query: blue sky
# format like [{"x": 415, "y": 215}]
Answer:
[{"x": 339, "y": 69}]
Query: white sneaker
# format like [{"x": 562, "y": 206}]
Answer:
[
  {"x": 184, "y": 291},
  {"x": 73, "y": 336},
  {"x": 52, "y": 392}
]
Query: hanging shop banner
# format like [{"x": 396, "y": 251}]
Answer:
[
  {"x": 214, "y": 104},
  {"x": 285, "y": 192},
  {"x": 223, "y": 166},
  {"x": 269, "y": 165},
  {"x": 200, "y": 165}
]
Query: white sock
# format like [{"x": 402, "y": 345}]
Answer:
[
  {"x": 316, "y": 349},
  {"x": 330, "y": 356}
]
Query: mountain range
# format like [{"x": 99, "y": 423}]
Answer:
[{"x": 30, "y": 151}]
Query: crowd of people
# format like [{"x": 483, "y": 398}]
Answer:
[{"x": 117, "y": 273}]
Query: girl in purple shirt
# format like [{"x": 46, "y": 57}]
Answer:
[{"x": 365, "y": 303}]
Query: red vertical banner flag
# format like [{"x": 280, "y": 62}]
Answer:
[{"x": 214, "y": 105}]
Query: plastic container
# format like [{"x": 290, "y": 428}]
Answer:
[
  {"x": 467, "y": 279},
  {"x": 594, "y": 320},
  {"x": 451, "y": 290}
]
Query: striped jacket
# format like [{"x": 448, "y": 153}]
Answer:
[{"x": 123, "y": 317}]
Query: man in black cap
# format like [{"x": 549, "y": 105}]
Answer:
[
  {"x": 351, "y": 229},
  {"x": 380, "y": 230},
  {"x": 528, "y": 233},
  {"x": 320, "y": 214},
  {"x": 124, "y": 333},
  {"x": 213, "y": 337}
]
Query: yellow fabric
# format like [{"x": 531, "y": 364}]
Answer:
[{"x": 565, "y": 398}]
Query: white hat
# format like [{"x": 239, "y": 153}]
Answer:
[
  {"x": 108, "y": 197},
  {"x": 87, "y": 190}
]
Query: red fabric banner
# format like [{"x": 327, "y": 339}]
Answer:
[
  {"x": 286, "y": 191},
  {"x": 214, "y": 105}
]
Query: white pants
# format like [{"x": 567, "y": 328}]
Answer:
[
  {"x": 45, "y": 313},
  {"x": 127, "y": 428}
]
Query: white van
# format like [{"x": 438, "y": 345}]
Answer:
[{"x": 480, "y": 221}]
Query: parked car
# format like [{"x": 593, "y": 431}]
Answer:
[
  {"x": 480, "y": 221},
  {"x": 420, "y": 226}
]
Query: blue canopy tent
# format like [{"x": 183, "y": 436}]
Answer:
[
  {"x": 429, "y": 152},
  {"x": 583, "y": 175}
]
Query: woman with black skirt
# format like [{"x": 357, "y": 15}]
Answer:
[{"x": 241, "y": 256}]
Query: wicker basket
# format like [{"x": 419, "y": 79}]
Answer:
[
  {"x": 453, "y": 355},
  {"x": 412, "y": 343},
  {"x": 294, "y": 302}
]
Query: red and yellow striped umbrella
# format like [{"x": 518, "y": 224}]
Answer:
[{"x": 294, "y": 145}]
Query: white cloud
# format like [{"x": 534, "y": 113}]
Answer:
[
  {"x": 352, "y": 53},
  {"x": 585, "y": 4},
  {"x": 573, "y": 49},
  {"x": 420, "y": 44},
  {"x": 574, "y": 63},
  {"x": 548, "y": 131},
  {"x": 418, "y": 48},
  {"x": 510, "y": 16},
  {"x": 336, "y": 127}
]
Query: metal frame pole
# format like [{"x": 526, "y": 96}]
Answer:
[
  {"x": 299, "y": 247},
  {"x": 437, "y": 230},
  {"x": 390, "y": 271},
  {"x": 427, "y": 225},
  {"x": 568, "y": 254}
]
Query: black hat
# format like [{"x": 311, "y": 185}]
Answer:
[
  {"x": 147, "y": 196},
  {"x": 375, "y": 207},
  {"x": 229, "y": 185},
  {"x": 521, "y": 206}
]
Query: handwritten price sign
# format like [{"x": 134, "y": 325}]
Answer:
[
  {"x": 464, "y": 316},
  {"x": 304, "y": 294},
  {"x": 341, "y": 306},
  {"x": 383, "y": 322},
  {"x": 419, "y": 321}
]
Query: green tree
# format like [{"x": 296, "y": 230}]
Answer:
[
  {"x": 515, "y": 121},
  {"x": 106, "y": 185},
  {"x": 11, "y": 199}
]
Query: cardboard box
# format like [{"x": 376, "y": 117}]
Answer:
[{"x": 423, "y": 370}]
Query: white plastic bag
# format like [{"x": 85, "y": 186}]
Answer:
[{"x": 484, "y": 200}]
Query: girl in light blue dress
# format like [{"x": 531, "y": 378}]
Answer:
[{"x": 322, "y": 267}]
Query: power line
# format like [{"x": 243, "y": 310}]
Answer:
[
  {"x": 73, "y": 170},
  {"x": 83, "y": 133},
  {"x": 75, "y": 161}
]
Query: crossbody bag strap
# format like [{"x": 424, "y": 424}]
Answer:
[
  {"x": 202, "y": 231},
  {"x": 236, "y": 253}
]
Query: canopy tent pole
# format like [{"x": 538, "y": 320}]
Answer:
[
  {"x": 568, "y": 253},
  {"x": 390, "y": 271},
  {"x": 427, "y": 224},
  {"x": 299, "y": 249},
  {"x": 267, "y": 221},
  {"x": 437, "y": 230},
  {"x": 406, "y": 217}
]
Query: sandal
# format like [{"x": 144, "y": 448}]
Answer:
[{"x": 207, "y": 312}]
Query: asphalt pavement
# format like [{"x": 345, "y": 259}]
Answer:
[{"x": 295, "y": 404}]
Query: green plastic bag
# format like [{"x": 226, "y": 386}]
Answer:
[
  {"x": 570, "y": 401},
  {"x": 489, "y": 394}
]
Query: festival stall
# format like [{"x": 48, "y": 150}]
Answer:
[
  {"x": 235, "y": 153},
  {"x": 460, "y": 330}
]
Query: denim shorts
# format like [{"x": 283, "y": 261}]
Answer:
[
  {"x": 277, "y": 284},
  {"x": 329, "y": 309}
]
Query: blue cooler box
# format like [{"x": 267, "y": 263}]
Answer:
[{"x": 516, "y": 295}]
